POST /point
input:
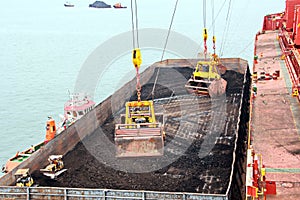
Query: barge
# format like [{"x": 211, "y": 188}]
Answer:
[{"x": 205, "y": 148}]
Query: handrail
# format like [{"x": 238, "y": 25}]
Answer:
[{"x": 37, "y": 193}]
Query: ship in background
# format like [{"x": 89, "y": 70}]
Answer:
[
  {"x": 76, "y": 107},
  {"x": 273, "y": 164}
]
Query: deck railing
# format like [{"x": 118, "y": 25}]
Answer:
[{"x": 54, "y": 193}]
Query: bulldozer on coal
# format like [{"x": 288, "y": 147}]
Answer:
[
  {"x": 55, "y": 167},
  {"x": 23, "y": 178},
  {"x": 206, "y": 79}
]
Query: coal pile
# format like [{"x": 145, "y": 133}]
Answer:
[{"x": 200, "y": 138}]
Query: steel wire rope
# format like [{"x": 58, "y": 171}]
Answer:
[
  {"x": 225, "y": 33},
  {"x": 244, "y": 49},
  {"x": 134, "y": 25},
  {"x": 213, "y": 24},
  {"x": 169, "y": 30},
  {"x": 213, "y": 15},
  {"x": 135, "y": 38},
  {"x": 247, "y": 16},
  {"x": 214, "y": 20},
  {"x": 204, "y": 13},
  {"x": 204, "y": 29},
  {"x": 164, "y": 49},
  {"x": 238, "y": 25}
]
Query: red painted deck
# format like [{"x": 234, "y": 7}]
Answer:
[{"x": 276, "y": 120}]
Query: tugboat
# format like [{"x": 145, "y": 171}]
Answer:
[
  {"x": 68, "y": 4},
  {"x": 76, "y": 107},
  {"x": 119, "y": 5}
]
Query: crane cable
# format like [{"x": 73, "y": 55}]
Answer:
[
  {"x": 226, "y": 28},
  {"x": 169, "y": 30},
  {"x": 135, "y": 40},
  {"x": 136, "y": 53},
  {"x": 215, "y": 18},
  {"x": 165, "y": 46},
  {"x": 213, "y": 25},
  {"x": 204, "y": 29}
]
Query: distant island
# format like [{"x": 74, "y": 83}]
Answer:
[{"x": 99, "y": 4}]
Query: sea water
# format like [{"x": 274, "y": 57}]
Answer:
[{"x": 43, "y": 46}]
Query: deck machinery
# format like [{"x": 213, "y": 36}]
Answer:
[
  {"x": 140, "y": 132},
  {"x": 206, "y": 80}
]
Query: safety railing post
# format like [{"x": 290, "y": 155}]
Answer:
[
  {"x": 104, "y": 192},
  {"x": 28, "y": 193},
  {"x": 65, "y": 194}
]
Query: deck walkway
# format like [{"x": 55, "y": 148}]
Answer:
[{"x": 276, "y": 120}]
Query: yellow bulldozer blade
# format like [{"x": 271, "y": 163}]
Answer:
[{"x": 52, "y": 174}]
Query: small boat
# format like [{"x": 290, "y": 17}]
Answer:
[
  {"x": 76, "y": 107},
  {"x": 19, "y": 157},
  {"x": 119, "y": 5},
  {"x": 99, "y": 4},
  {"x": 68, "y": 4}
]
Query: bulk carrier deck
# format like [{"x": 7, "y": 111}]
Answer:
[{"x": 275, "y": 121}]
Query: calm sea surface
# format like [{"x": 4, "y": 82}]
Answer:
[{"x": 43, "y": 45}]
